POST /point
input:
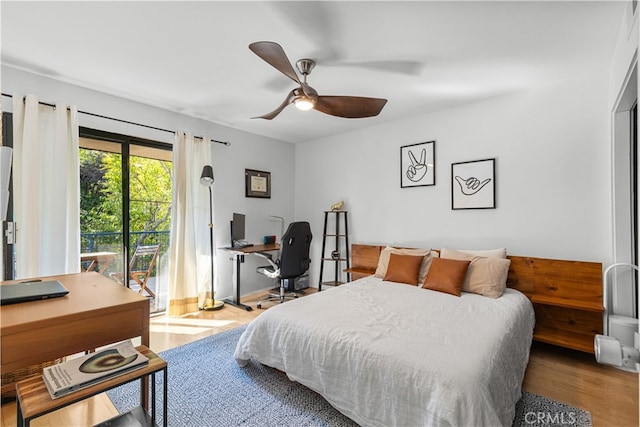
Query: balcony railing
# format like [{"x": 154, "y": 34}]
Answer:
[
  {"x": 110, "y": 241},
  {"x": 107, "y": 241}
]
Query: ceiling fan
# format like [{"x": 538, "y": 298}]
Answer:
[{"x": 305, "y": 97}]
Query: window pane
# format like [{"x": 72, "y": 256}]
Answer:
[
  {"x": 101, "y": 208},
  {"x": 150, "y": 220}
]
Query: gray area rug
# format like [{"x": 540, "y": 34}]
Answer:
[{"x": 207, "y": 388}]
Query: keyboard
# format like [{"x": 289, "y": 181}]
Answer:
[{"x": 242, "y": 245}]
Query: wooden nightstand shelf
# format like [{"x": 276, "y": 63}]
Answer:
[
  {"x": 364, "y": 260},
  {"x": 33, "y": 398},
  {"x": 566, "y": 297},
  {"x": 359, "y": 273}
]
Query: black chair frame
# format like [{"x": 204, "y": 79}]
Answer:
[{"x": 294, "y": 260}]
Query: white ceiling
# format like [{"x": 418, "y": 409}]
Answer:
[{"x": 193, "y": 57}]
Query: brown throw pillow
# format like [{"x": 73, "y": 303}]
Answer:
[
  {"x": 403, "y": 269},
  {"x": 383, "y": 260},
  {"x": 446, "y": 275}
]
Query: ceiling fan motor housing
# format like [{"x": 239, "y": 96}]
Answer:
[{"x": 305, "y": 66}]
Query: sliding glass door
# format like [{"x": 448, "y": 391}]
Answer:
[{"x": 125, "y": 211}]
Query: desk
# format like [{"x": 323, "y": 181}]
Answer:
[
  {"x": 239, "y": 254},
  {"x": 104, "y": 258},
  {"x": 96, "y": 312}
]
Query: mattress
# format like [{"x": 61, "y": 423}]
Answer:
[{"x": 391, "y": 354}]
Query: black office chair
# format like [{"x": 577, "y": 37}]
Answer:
[{"x": 294, "y": 259}]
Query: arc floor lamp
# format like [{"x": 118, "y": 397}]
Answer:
[{"x": 206, "y": 179}]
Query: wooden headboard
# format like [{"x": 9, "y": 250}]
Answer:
[{"x": 566, "y": 295}]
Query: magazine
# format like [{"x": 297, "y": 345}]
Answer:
[{"x": 85, "y": 371}]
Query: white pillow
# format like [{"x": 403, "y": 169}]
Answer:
[
  {"x": 383, "y": 261},
  {"x": 486, "y": 276},
  {"x": 488, "y": 253}
]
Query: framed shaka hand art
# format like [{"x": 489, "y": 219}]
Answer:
[{"x": 473, "y": 184}]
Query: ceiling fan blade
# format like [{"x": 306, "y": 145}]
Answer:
[
  {"x": 350, "y": 107},
  {"x": 274, "y": 55},
  {"x": 323, "y": 24},
  {"x": 288, "y": 100},
  {"x": 318, "y": 21},
  {"x": 407, "y": 67}
]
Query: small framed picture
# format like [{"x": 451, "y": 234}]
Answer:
[
  {"x": 418, "y": 164},
  {"x": 257, "y": 184},
  {"x": 473, "y": 184}
]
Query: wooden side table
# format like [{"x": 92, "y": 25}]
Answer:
[{"x": 33, "y": 398}]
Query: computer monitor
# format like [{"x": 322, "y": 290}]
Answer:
[{"x": 237, "y": 229}]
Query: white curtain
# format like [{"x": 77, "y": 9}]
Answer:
[
  {"x": 46, "y": 188},
  {"x": 189, "y": 251}
]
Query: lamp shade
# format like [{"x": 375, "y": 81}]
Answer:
[{"x": 206, "y": 178}]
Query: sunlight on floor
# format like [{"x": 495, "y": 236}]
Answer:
[
  {"x": 178, "y": 329},
  {"x": 188, "y": 326}
]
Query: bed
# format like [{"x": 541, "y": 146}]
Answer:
[{"x": 386, "y": 353}]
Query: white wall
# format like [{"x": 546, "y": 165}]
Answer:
[
  {"x": 246, "y": 151},
  {"x": 552, "y": 168}
]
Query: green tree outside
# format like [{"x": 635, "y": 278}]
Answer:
[{"x": 101, "y": 194}]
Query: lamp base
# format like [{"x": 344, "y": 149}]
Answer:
[{"x": 211, "y": 305}]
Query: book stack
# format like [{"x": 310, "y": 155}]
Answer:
[{"x": 85, "y": 371}]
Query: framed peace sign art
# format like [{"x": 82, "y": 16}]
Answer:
[{"x": 418, "y": 164}]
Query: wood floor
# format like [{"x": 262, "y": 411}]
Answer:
[{"x": 568, "y": 376}]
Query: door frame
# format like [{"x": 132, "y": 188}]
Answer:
[{"x": 624, "y": 189}]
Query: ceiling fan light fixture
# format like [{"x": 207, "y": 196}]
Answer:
[{"x": 303, "y": 103}]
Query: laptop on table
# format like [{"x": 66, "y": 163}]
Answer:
[{"x": 31, "y": 291}]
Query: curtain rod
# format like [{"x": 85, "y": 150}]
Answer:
[{"x": 227, "y": 143}]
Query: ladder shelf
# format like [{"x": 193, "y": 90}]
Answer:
[{"x": 335, "y": 256}]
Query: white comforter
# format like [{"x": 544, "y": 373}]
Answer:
[{"x": 390, "y": 354}]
